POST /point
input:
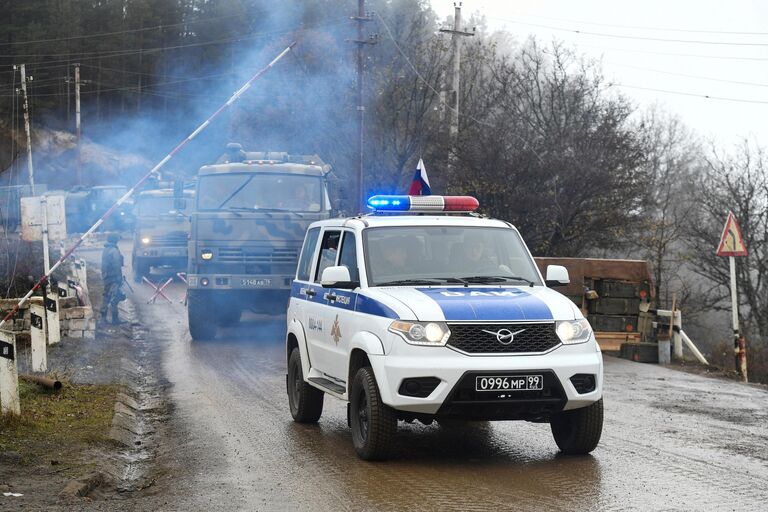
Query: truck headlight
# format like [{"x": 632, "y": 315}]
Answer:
[
  {"x": 572, "y": 332},
  {"x": 421, "y": 333},
  {"x": 145, "y": 240},
  {"x": 206, "y": 254}
]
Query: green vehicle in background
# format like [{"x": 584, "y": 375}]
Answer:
[
  {"x": 251, "y": 212},
  {"x": 162, "y": 231}
]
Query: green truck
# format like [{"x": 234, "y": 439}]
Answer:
[
  {"x": 162, "y": 231},
  {"x": 251, "y": 212}
]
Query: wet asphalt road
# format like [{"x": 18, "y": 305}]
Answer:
[{"x": 671, "y": 441}]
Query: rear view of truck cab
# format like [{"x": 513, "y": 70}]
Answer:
[{"x": 424, "y": 311}]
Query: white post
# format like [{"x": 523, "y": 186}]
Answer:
[
  {"x": 51, "y": 315},
  {"x": 692, "y": 348},
  {"x": 677, "y": 342},
  {"x": 37, "y": 332},
  {"x": 9, "y": 375}
]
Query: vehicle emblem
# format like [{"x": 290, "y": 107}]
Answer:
[
  {"x": 336, "y": 330},
  {"x": 504, "y": 336}
]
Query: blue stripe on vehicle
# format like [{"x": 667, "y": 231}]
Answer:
[
  {"x": 355, "y": 302},
  {"x": 500, "y": 304},
  {"x": 374, "y": 307}
]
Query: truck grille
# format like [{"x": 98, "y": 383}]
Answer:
[
  {"x": 529, "y": 338},
  {"x": 170, "y": 240},
  {"x": 261, "y": 261}
]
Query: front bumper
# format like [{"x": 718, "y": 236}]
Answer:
[{"x": 455, "y": 371}]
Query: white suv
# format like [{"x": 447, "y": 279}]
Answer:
[{"x": 426, "y": 311}]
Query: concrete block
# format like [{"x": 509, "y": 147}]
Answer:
[
  {"x": 77, "y": 312},
  {"x": 89, "y": 334},
  {"x": 73, "y": 333},
  {"x": 78, "y": 323}
]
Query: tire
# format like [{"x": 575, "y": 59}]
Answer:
[
  {"x": 578, "y": 432},
  {"x": 140, "y": 269},
  {"x": 305, "y": 401},
  {"x": 201, "y": 324},
  {"x": 373, "y": 423}
]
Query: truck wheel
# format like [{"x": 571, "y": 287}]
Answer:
[
  {"x": 578, "y": 431},
  {"x": 140, "y": 269},
  {"x": 373, "y": 423},
  {"x": 202, "y": 325},
  {"x": 305, "y": 401}
]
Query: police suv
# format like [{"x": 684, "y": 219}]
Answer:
[{"x": 427, "y": 311}]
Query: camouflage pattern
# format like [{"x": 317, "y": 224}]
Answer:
[
  {"x": 255, "y": 253},
  {"x": 168, "y": 234}
]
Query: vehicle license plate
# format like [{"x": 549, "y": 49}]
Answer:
[
  {"x": 255, "y": 282},
  {"x": 509, "y": 383}
]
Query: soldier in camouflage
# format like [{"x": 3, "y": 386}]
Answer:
[{"x": 112, "y": 277}]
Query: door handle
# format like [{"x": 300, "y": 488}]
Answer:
[
  {"x": 331, "y": 297},
  {"x": 310, "y": 292}
]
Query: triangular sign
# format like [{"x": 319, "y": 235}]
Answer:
[{"x": 731, "y": 241}]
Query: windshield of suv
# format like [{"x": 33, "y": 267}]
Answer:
[
  {"x": 153, "y": 206},
  {"x": 438, "y": 255},
  {"x": 260, "y": 192}
]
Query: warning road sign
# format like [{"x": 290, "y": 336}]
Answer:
[{"x": 731, "y": 241}]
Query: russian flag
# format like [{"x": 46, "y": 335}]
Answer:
[{"x": 420, "y": 183}]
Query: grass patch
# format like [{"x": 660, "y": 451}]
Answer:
[{"x": 56, "y": 425}]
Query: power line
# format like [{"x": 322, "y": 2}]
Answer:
[
  {"x": 657, "y": 29},
  {"x": 105, "y": 34},
  {"x": 672, "y": 54},
  {"x": 699, "y": 77},
  {"x": 637, "y": 38},
  {"x": 681, "y": 93}
]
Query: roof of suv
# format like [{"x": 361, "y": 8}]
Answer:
[{"x": 413, "y": 220}]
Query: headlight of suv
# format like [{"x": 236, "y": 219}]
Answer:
[
  {"x": 433, "y": 334},
  {"x": 572, "y": 332}
]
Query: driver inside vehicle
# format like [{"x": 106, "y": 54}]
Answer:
[{"x": 394, "y": 256}]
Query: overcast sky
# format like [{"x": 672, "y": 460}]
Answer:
[{"x": 652, "y": 44}]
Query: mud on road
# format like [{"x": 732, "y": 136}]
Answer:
[{"x": 672, "y": 441}]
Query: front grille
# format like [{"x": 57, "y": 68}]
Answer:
[
  {"x": 528, "y": 338},
  {"x": 261, "y": 261},
  {"x": 170, "y": 240}
]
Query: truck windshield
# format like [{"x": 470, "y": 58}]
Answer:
[
  {"x": 438, "y": 255},
  {"x": 260, "y": 192},
  {"x": 153, "y": 206}
]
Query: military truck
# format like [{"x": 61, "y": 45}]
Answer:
[
  {"x": 85, "y": 205},
  {"x": 162, "y": 231},
  {"x": 251, "y": 212}
]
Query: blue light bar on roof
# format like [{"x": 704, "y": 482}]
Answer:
[{"x": 423, "y": 203}]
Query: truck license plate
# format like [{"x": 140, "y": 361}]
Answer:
[
  {"x": 255, "y": 282},
  {"x": 509, "y": 383}
]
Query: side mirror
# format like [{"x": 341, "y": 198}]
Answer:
[
  {"x": 557, "y": 275},
  {"x": 337, "y": 277}
]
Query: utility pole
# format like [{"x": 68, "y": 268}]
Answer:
[
  {"x": 361, "y": 19},
  {"x": 78, "y": 130},
  {"x": 453, "y": 97},
  {"x": 77, "y": 124},
  {"x": 26, "y": 126}
]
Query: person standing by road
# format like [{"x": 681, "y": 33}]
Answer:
[{"x": 111, "y": 276}]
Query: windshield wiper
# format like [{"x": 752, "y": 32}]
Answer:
[
  {"x": 281, "y": 210},
  {"x": 497, "y": 279},
  {"x": 406, "y": 282},
  {"x": 237, "y": 191},
  {"x": 460, "y": 280}
]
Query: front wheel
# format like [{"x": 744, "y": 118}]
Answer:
[
  {"x": 202, "y": 326},
  {"x": 373, "y": 423},
  {"x": 140, "y": 269},
  {"x": 578, "y": 431},
  {"x": 305, "y": 401}
]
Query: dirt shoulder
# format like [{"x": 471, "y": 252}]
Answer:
[{"x": 78, "y": 438}]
